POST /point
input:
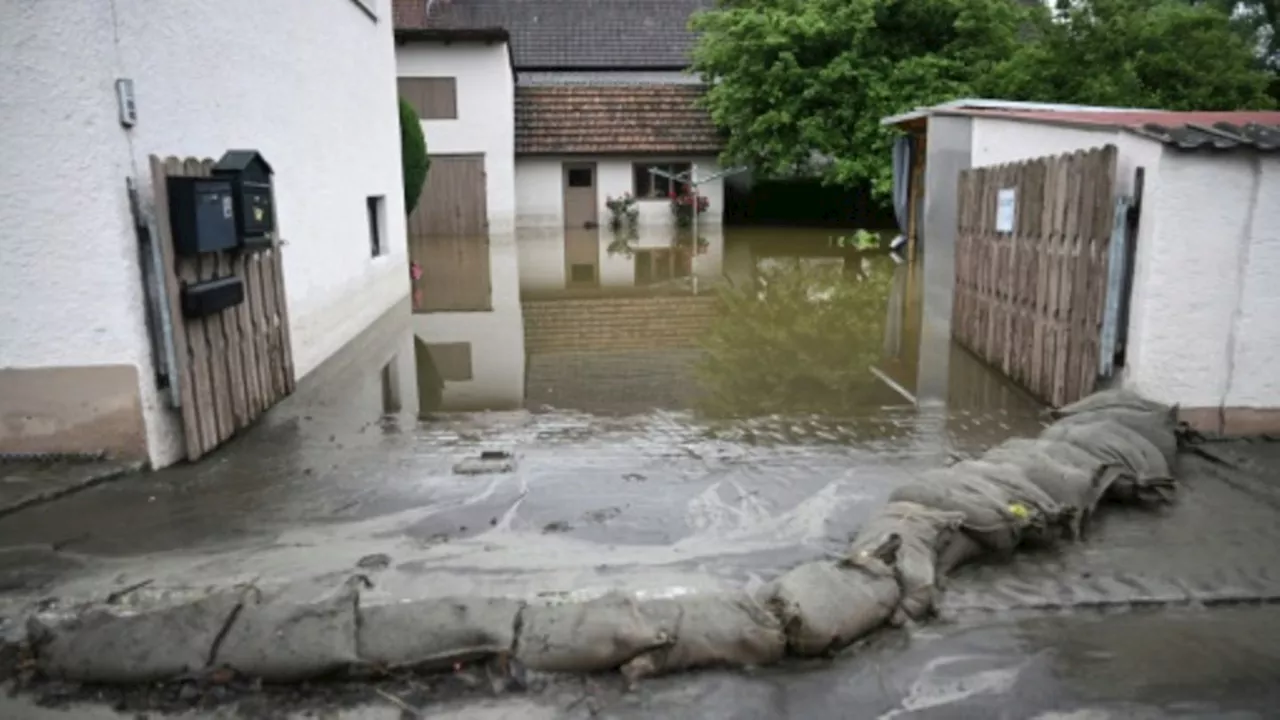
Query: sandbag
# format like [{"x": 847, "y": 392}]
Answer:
[
  {"x": 1158, "y": 427},
  {"x": 292, "y": 633},
  {"x": 999, "y": 505},
  {"x": 826, "y": 605},
  {"x": 919, "y": 532},
  {"x": 592, "y": 636},
  {"x": 1117, "y": 399},
  {"x": 717, "y": 630},
  {"x": 146, "y": 637},
  {"x": 1064, "y": 472},
  {"x": 1145, "y": 478},
  {"x": 434, "y": 633}
]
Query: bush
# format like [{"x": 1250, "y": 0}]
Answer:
[{"x": 413, "y": 156}]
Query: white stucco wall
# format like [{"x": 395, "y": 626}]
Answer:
[
  {"x": 286, "y": 83},
  {"x": 1204, "y": 332},
  {"x": 540, "y": 190},
  {"x": 496, "y": 338},
  {"x": 997, "y": 141},
  {"x": 486, "y": 114}
]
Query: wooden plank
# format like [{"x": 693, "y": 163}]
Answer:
[
  {"x": 261, "y": 329},
  {"x": 205, "y": 428},
  {"x": 282, "y": 311},
  {"x": 173, "y": 295},
  {"x": 220, "y": 380},
  {"x": 255, "y": 403}
]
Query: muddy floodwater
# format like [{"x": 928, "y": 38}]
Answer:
[{"x": 672, "y": 414}]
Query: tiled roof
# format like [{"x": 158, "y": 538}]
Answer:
[
  {"x": 598, "y": 34},
  {"x": 554, "y": 119},
  {"x": 1210, "y": 130}
]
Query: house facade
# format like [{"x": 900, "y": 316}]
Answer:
[
  {"x": 1206, "y": 247},
  {"x": 77, "y": 362},
  {"x": 561, "y": 115}
]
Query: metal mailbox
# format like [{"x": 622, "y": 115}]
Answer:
[
  {"x": 201, "y": 215},
  {"x": 253, "y": 198}
]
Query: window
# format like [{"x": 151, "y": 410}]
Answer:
[
  {"x": 376, "y": 207},
  {"x": 580, "y": 177},
  {"x": 434, "y": 98},
  {"x": 648, "y": 185},
  {"x": 581, "y": 273}
]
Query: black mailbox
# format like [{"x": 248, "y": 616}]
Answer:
[
  {"x": 211, "y": 296},
  {"x": 250, "y": 176},
  {"x": 201, "y": 215}
]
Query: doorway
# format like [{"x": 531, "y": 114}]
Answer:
[{"x": 580, "y": 196}]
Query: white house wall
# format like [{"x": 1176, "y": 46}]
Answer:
[
  {"x": 287, "y": 83},
  {"x": 1207, "y": 336},
  {"x": 540, "y": 190},
  {"x": 486, "y": 114}
]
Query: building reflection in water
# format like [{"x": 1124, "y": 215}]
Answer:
[
  {"x": 594, "y": 321},
  {"x": 467, "y": 326}
]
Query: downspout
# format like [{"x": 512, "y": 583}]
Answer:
[{"x": 1242, "y": 266}]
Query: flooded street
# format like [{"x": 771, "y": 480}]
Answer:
[{"x": 683, "y": 416}]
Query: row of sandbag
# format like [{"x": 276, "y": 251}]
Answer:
[{"x": 1110, "y": 446}]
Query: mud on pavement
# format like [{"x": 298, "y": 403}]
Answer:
[{"x": 329, "y": 625}]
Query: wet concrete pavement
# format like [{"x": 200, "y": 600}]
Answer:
[{"x": 627, "y": 479}]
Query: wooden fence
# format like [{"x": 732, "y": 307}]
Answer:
[
  {"x": 1029, "y": 300},
  {"x": 234, "y": 365}
]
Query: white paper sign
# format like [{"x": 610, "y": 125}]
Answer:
[{"x": 1006, "y": 202}]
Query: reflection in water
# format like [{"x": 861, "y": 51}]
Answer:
[
  {"x": 734, "y": 323},
  {"x": 802, "y": 338}
]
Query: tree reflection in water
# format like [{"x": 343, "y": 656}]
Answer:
[{"x": 799, "y": 339}]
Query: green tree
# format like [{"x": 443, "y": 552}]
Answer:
[
  {"x": 413, "y": 156},
  {"x": 801, "y": 85},
  {"x": 1137, "y": 53}
]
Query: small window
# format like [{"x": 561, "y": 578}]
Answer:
[
  {"x": 376, "y": 207},
  {"x": 582, "y": 273},
  {"x": 650, "y": 185},
  {"x": 580, "y": 177},
  {"x": 434, "y": 98}
]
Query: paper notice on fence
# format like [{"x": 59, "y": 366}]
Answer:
[{"x": 1006, "y": 201}]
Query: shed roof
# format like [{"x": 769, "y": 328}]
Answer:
[
  {"x": 570, "y": 34},
  {"x": 1209, "y": 130},
  {"x": 602, "y": 119}
]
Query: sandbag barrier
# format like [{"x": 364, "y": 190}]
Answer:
[{"x": 1112, "y": 446}]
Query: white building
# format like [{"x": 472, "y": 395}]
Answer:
[
  {"x": 535, "y": 120},
  {"x": 308, "y": 83},
  {"x": 1201, "y": 330}
]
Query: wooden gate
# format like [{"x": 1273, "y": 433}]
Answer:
[
  {"x": 234, "y": 365},
  {"x": 452, "y": 203},
  {"x": 1030, "y": 288}
]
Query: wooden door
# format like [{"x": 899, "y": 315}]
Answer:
[
  {"x": 452, "y": 203},
  {"x": 580, "y": 195}
]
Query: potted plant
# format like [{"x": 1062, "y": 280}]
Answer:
[{"x": 685, "y": 203}]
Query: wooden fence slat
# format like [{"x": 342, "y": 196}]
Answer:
[
  {"x": 222, "y": 359},
  {"x": 1029, "y": 301}
]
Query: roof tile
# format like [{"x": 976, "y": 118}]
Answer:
[
  {"x": 554, "y": 119},
  {"x": 570, "y": 33}
]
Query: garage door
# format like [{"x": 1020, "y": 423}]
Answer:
[{"x": 453, "y": 201}]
